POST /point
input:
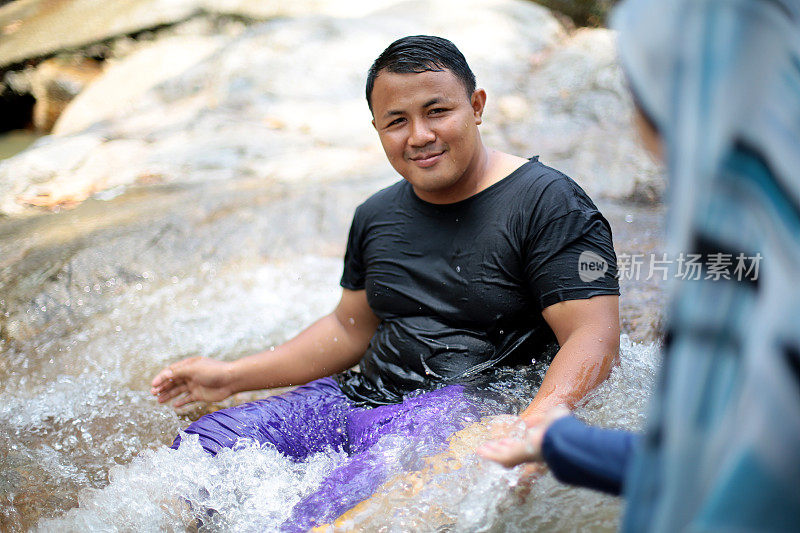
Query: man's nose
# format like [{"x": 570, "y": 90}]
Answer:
[{"x": 421, "y": 133}]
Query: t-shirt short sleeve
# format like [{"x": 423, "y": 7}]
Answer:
[
  {"x": 571, "y": 256},
  {"x": 354, "y": 273}
]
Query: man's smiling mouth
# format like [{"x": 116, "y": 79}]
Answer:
[{"x": 428, "y": 159}]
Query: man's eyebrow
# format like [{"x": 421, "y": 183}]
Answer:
[
  {"x": 392, "y": 113},
  {"x": 429, "y": 103}
]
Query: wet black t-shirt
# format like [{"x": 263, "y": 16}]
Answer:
[{"x": 460, "y": 288}]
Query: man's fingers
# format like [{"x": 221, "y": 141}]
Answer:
[
  {"x": 171, "y": 393},
  {"x": 174, "y": 372},
  {"x": 163, "y": 377},
  {"x": 162, "y": 387},
  {"x": 180, "y": 402},
  {"x": 167, "y": 385},
  {"x": 167, "y": 378}
]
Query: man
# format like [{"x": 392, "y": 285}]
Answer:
[{"x": 469, "y": 263}]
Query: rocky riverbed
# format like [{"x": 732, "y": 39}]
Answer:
[{"x": 194, "y": 199}]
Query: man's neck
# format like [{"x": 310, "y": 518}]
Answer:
[
  {"x": 500, "y": 166},
  {"x": 489, "y": 167}
]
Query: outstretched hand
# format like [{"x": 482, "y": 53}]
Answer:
[
  {"x": 192, "y": 380},
  {"x": 511, "y": 452}
]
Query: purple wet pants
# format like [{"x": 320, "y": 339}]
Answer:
[{"x": 318, "y": 416}]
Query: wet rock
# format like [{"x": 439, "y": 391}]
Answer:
[
  {"x": 577, "y": 114},
  {"x": 638, "y": 231},
  {"x": 123, "y": 88},
  {"x": 35, "y": 28},
  {"x": 60, "y": 273},
  {"x": 266, "y": 9},
  {"x": 45, "y": 162},
  {"x": 55, "y": 83},
  {"x": 114, "y": 163}
]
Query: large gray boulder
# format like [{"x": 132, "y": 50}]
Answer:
[{"x": 576, "y": 112}]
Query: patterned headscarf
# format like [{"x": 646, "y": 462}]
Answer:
[{"x": 720, "y": 80}]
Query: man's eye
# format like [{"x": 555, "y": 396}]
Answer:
[
  {"x": 438, "y": 110},
  {"x": 394, "y": 122}
]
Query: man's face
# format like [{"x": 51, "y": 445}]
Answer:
[{"x": 428, "y": 127}]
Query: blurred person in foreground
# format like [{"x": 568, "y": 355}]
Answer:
[
  {"x": 717, "y": 86},
  {"x": 468, "y": 264}
]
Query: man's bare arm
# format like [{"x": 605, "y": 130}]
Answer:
[
  {"x": 588, "y": 333},
  {"x": 331, "y": 344}
]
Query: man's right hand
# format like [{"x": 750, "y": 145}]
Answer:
[
  {"x": 332, "y": 344},
  {"x": 194, "y": 379}
]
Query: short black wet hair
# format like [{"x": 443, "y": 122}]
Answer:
[{"x": 421, "y": 53}]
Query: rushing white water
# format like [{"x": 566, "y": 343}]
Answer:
[
  {"x": 73, "y": 407},
  {"x": 250, "y": 488},
  {"x": 86, "y": 447}
]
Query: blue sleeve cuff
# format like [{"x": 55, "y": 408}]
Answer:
[{"x": 588, "y": 456}]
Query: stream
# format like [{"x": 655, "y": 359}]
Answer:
[{"x": 95, "y": 300}]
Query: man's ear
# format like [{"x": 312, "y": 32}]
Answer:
[
  {"x": 373, "y": 125},
  {"x": 478, "y": 102}
]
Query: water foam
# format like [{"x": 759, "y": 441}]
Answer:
[{"x": 84, "y": 432}]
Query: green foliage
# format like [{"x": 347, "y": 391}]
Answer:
[{"x": 582, "y": 12}]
